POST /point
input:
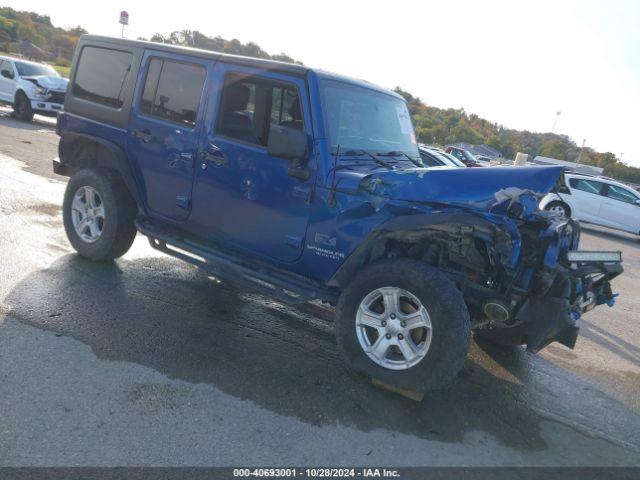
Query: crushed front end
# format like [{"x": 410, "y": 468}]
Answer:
[
  {"x": 522, "y": 276},
  {"x": 535, "y": 292}
]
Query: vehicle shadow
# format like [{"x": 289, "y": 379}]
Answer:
[
  {"x": 38, "y": 123},
  {"x": 170, "y": 317}
]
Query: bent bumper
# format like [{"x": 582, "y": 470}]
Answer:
[
  {"x": 553, "y": 317},
  {"x": 41, "y": 106}
]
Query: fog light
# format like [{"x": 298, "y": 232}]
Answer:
[{"x": 496, "y": 311}]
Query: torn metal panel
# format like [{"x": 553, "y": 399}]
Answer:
[{"x": 483, "y": 228}]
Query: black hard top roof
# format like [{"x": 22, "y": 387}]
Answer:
[{"x": 237, "y": 59}]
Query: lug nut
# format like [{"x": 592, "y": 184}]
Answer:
[
  {"x": 393, "y": 316},
  {"x": 403, "y": 324},
  {"x": 400, "y": 336},
  {"x": 384, "y": 323},
  {"x": 388, "y": 336}
]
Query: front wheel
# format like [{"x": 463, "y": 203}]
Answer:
[
  {"x": 22, "y": 108},
  {"x": 98, "y": 214},
  {"x": 405, "y": 323}
]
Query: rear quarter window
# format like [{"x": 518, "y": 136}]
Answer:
[
  {"x": 101, "y": 75},
  {"x": 172, "y": 91}
]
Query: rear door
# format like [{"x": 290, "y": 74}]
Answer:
[
  {"x": 243, "y": 196},
  {"x": 164, "y": 129},
  {"x": 586, "y": 199},
  {"x": 620, "y": 208}
]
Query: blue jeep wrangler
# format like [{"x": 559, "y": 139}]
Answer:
[{"x": 307, "y": 186}]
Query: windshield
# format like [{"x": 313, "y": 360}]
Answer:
[
  {"x": 362, "y": 119},
  {"x": 34, "y": 69},
  {"x": 471, "y": 156}
]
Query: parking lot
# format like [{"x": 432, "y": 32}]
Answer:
[{"x": 147, "y": 361}]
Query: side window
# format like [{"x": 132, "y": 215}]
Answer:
[
  {"x": 4, "y": 65},
  {"x": 172, "y": 91},
  {"x": 101, "y": 74},
  {"x": 622, "y": 194},
  {"x": 588, "y": 186},
  {"x": 250, "y": 105}
]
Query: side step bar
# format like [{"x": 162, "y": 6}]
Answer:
[{"x": 284, "y": 287}]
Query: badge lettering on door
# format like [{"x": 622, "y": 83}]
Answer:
[{"x": 320, "y": 248}]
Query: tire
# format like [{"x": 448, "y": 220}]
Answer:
[
  {"x": 114, "y": 230},
  {"x": 558, "y": 206},
  {"x": 22, "y": 108},
  {"x": 447, "y": 313}
]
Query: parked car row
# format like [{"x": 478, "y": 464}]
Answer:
[
  {"x": 31, "y": 88},
  {"x": 466, "y": 157}
]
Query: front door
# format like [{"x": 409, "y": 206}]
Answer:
[
  {"x": 586, "y": 198},
  {"x": 244, "y": 197},
  {"x": 164, "y": 130}
]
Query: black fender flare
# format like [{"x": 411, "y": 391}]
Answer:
[{"x": 71, "y": 159}]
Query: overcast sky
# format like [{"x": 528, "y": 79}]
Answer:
[{"x": 512, "y": 62}]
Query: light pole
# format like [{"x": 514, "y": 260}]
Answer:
[{"x": 555, "y": 121}]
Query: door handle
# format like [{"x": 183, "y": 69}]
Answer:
[
  {"x": 213, "y": 154},
  {"x": 144, "y": 136}
]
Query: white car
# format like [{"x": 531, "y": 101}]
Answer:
[
  {"x": 596, "y": 200},
  {"x": 31, "y": 88}
]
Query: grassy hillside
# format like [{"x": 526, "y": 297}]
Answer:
[{"x": 16, "y": 26}]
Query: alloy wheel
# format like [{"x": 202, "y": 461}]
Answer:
[
  {"x": 87, "y": 214},
  {"x": 393, "y": 328}
]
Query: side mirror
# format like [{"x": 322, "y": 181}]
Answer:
[
  {"x": 287, "y": 142},
  {"x": 7, "y": 74}
]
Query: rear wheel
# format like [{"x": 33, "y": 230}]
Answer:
[
  {"x": 560, "y": 209},
  {"x": 22, "y": 107},
  {"x": 404, "y": 323},
  {"x": 98, "y": 214}
]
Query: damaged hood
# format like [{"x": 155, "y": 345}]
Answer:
[
  {"x": 469, "y": 187},
  {"x": 48, "y": 82}
]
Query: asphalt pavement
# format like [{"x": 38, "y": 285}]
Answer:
[{"x": 147, "y": 361}]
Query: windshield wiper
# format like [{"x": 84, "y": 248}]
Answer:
[
  {"x": 359, "y": 153},
  {"x": 395, "y": 153}
]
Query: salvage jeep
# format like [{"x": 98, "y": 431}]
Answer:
[{"x": 308, "y": 186}]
